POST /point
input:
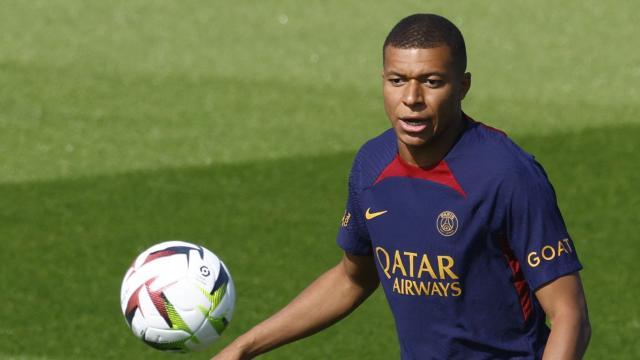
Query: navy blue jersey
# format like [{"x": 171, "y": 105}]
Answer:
[{"x": 461, "y": 247}]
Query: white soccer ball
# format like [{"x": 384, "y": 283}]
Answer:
[{"x": 177, "y": 296}]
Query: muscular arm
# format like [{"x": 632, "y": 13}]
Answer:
[
  {"x": 564, "y": 302},
  {"x": 328, "y": 299}
]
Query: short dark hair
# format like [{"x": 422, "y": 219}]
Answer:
[{"x": 426, "y": 31}]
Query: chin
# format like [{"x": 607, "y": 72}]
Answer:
[{"x": 414, "y": 140}]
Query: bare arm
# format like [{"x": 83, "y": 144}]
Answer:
[
  {"x": 328, "y": 299},
  {"x": 564, "y": 302}
]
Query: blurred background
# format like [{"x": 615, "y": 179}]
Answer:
[{"x": 233, "y": 124}]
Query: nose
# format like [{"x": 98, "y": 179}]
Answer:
[{"x": 413, "y": 94}]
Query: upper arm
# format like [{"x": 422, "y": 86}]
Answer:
[
  {"x": 564, "y": 302},
  {"x": 564, "y": 296},
  {"x": 353, "y": 236},
  {"x": 361, "y": 270}
]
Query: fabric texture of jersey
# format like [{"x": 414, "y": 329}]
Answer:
[{"x": 461, "y": 247}]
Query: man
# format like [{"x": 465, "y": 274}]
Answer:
[{"x": 458, "y": 224}]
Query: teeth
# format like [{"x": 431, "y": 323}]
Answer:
[{"x": 414, "y": 123}]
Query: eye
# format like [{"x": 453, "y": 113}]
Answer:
[
  {"x": 433, "y": 83},
  {"x": 396, "y": 81}
]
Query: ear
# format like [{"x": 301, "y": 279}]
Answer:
[{"x": 465, "y": 85}]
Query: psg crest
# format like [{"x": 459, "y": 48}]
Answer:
[{"x": 447, "y": 223}]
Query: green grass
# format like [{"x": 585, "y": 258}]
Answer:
[{"x": 123, "y": 124}]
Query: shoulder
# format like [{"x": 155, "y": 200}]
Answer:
[
  {"x": 373, "y": 157},
  {"x": 494, "y": 153}
]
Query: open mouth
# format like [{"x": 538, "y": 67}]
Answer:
[{"x": 413, "y": 125}]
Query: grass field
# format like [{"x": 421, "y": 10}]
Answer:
[{"x": 233, "y": 125}]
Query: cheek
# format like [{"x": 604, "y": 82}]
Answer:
[
  {"x": 441, "y": 102},
  {"x": 392, "y": 97},
  {"x": 390, "y": 101}
]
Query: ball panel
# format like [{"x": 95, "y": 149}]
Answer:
[
  {"x": 206, "y": 335},
  {"x": 156, "y": 274},
  {"x": 185, "y": 295},
  {"x": 204, "y": 270},
  {"x": 163, "y": 339},
  {"x": 227, "y": 303},
  {"x": 176, "y": 320},
  {"x": 138, "y": 324},
  {"x": 186, "y": 299},
  {"x": 131, "y": 305},
  {"x": 222, "y": 298},
  {"x": 222, "y": 278},
  {"x": 149, "y": 310}
]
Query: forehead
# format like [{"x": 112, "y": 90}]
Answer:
[{"x": 414, "y": 62}]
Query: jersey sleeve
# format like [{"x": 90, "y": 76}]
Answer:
[
  {"x": 353, "y": 236},
  {"x": 536, "y": 231}
]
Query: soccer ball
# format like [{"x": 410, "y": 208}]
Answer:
[{"x": 177, "y": 296}]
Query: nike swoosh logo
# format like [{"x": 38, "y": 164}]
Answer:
[{"x": 370, "y": 215}]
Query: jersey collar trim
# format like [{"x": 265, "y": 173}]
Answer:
[{"x": 440, "y": 174}]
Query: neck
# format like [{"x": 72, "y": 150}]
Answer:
[{"x": 432, "y": 152}]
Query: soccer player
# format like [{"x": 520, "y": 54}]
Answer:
[{"x": 457, "y": 223}]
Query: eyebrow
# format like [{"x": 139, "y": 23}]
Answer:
[{"x": 431, "y": 73}]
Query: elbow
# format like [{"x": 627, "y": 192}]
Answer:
[
  {"x": 584, "y": 325},
  {"x": 585, "y": 330}
]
